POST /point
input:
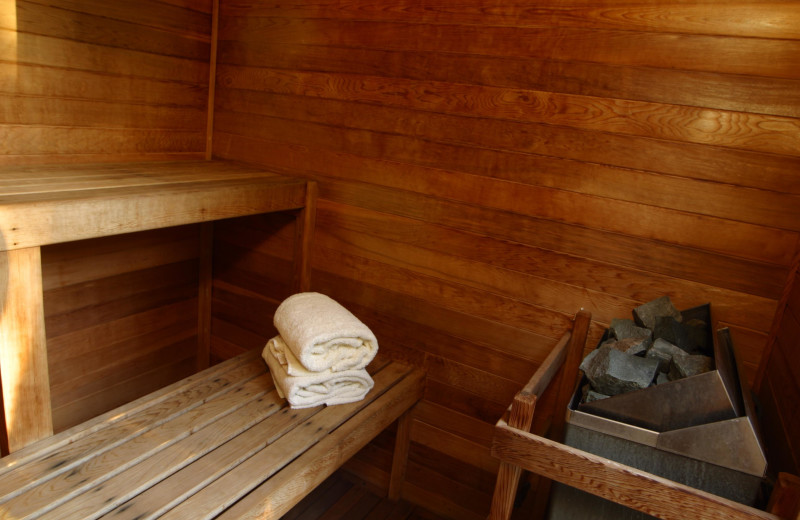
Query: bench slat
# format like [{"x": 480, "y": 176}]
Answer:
[
  {"x": 131, "y": 482},
  {"x": 72, "y": 440},
  {"x": 196, "y": 448},
  {"x": 276, "y": 496},
  {"x": 235, "y": 484},
  {"x": 103, "y": 465},
  {"x": 123, "y": 198},
  {"x": 157, "y": 500}
]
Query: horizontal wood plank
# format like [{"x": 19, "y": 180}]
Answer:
[
  {"x": 766, "y": 19},
  {"x": 633, "y": 488},
  {"x": 487, "y": 167},
  {"x": 696, "y": 88},
  {"x": 86, "y": 212},
  {"x": 694, "y": 125},
  {"x": 615, "y": 47}
]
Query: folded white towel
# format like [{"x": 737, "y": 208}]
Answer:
[
  {"x": 314, "y": 388},
  {"x": 323, "y": 335}
]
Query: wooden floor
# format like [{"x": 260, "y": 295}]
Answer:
[{"x": 344, "y": 497}]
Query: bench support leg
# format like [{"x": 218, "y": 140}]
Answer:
[
  {"x": 400, "y": 458},
  {"x": 303, "y": 238},
  {"x": 24, "y": 374}
]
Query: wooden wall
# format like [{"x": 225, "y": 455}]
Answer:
[
  {"x": 93, "y": 80},
  {"x": 778, "y": 382},
  {"x": 121, "y": 317},
  {"x": 89, "y": 81},
  {"x": 487, "y": 168},
  {"x": 253, "y": 268}
]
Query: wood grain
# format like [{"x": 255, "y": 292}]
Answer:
[
  {"x": 104, "y": 79},
  {"x": 23, "y": 356},
  {"x": 693, "y": 125},
  {"x": 81, "y": 212},
  {"x": 633, "y": 488},
  {"x": 777, "y": 380},
  {"x": 483, "y": 168},
  {"x": 766, "y": 19}
]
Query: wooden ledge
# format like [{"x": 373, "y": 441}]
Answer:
[{"x": 48, "y": 204}]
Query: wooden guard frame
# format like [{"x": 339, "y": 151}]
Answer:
[{"x": 519, "y": 449}]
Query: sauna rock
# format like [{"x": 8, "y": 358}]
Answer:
[
  {"x": 612, "y": 372},
  {"x": 630, "y": 346},
  {"x": 689, "y": 365},
  {"x": 634, "y": 357},
  {"x": 664, "y": 352},
  {"x": 646, "y": 314},
  {"x": 624, "y": 328},
  {"x": 689, "y": 336}
]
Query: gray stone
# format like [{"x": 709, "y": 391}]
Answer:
[
  {"x": 591, "y": 395},
  {"x": 662, "y": 378},
  {"x": 664, "y": 351},
  {"x": 664, "y": 359},
  {"x": 646, "y": 314},
  {"x": 630, "y": 346},
  {"x": 623, "y": 328},
  {"x": 611, "y": 372},
  {"x": 587, "y": 361},
  {"x": 689, "y": 365},
  {"x": 699, "y": 337},
  {"x": 681, "y": 334}
]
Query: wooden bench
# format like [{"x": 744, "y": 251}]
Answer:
[
  {"x": 219, "y": 444},
  {"x": 518, "y": 449},
  {"x": 49, "y": 204}
]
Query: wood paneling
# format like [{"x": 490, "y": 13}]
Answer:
[
  {"x": 97, "y": 81},
  {"x": 121, "y": 318},
  {"x": 252, "y": 274},
  {"x": 486, "y": 168},
  {"x": 778, "y": 381}
]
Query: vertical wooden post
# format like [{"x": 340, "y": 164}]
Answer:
[
  {"x": 508, "y": 475},
  {"x": 204, "y": 295},
  {"x": 569, "y": 373},
  {"x": 212, "y": 79},
  {"x": 27, "y": 414},
  {"x": 524, "y": 405},
  {"x": 303, "y": 237},
  {"x": 400, "y": 457},
  {"x": 785, "y": 498}
]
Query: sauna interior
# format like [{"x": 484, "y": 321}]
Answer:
[{"x": 485, "y": 169}]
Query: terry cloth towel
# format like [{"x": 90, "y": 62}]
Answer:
[
  {"x": 313, "y": 388},
  {"x": 323, "y": 335}
]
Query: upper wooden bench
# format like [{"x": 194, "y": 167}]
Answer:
[
  {"x": 219, "y": 444},
  {"x": 47, "y": 204}
]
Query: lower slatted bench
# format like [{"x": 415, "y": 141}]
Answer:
[{"x": 218, "y": 444}]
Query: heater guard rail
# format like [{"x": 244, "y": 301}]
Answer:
[{"x": 519, "y": 449}]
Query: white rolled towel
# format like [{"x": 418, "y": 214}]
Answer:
[
  {"x": 323, "y": 335},
  {"x": 313, "y": 388}
]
